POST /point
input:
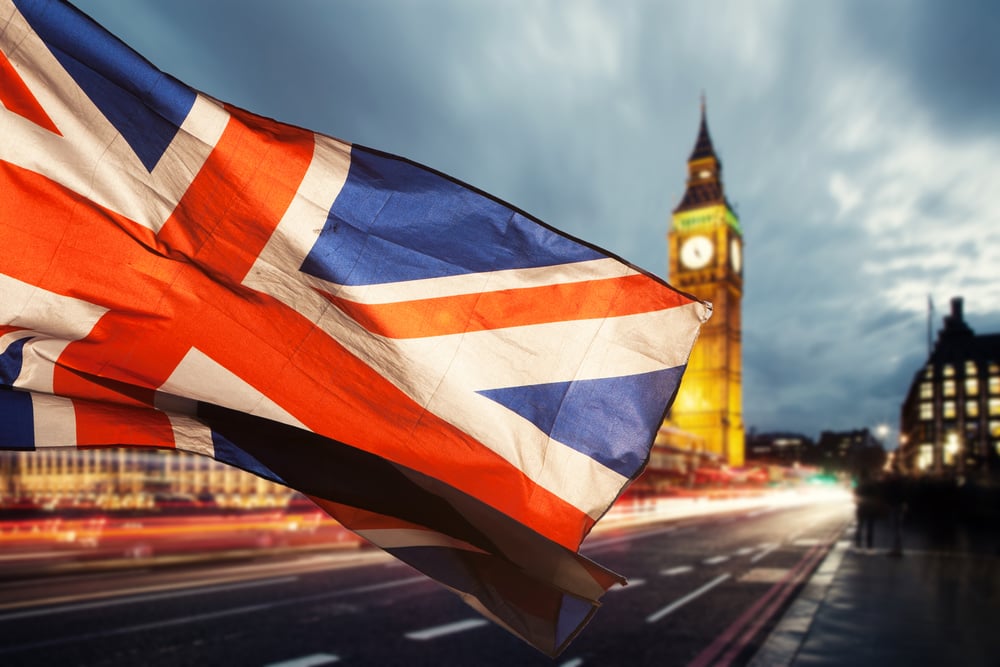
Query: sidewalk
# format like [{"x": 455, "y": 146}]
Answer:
[{"x": 936, "y": 605}]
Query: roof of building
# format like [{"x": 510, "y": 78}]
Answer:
[{"x": 957, "y": 342}]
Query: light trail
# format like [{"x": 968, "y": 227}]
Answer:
[{"x": 131, "y": 596}]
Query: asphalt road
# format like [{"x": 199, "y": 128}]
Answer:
[{"x": 703, "y": 590}]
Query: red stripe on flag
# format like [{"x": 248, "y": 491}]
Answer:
[
  {"x": 104, "y": 424},
  {"x": 592, "y": 299},
  {"x": 235, "y": 203},
  {"x": 15, "y": 95}
]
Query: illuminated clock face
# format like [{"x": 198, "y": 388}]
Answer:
[
  {"x": 696, "y": 252},
  {"x": 704, "y": 173},
  {"x": 735, "y": 255}
]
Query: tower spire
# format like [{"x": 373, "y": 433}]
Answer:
[
  {"x": 703, "y": 147},
  {"x": 704, "y": 186}
]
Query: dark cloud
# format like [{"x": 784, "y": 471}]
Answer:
[
  {"x": 947, "y": 53},
  {"x": 836, "y": 124}
]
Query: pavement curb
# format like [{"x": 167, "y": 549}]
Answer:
[{"x": 784, "y": 642}]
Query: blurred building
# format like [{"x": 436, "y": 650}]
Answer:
[
  {"x": 706, "y": 259},
  {"x": 950, "y": 420},
  {"x": 854, "y": 452},
  {"x": 129, "y": 478},
  {"x": 778, "y": 448}
]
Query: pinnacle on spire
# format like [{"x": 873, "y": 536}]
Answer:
[{"x": 703, "y": 146}]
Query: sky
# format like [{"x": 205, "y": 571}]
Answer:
[{"x": 859, "y": 143}]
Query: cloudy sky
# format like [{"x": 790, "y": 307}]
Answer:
[{"x": 860, "y": 144}]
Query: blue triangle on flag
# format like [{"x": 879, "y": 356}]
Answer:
[
  {"x": 611, "y": 420},
  {"x": 11, "y": 361},
  {"x": 145, "y": 105}
]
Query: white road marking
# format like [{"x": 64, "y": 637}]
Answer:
[
  {"x": 674, "y": 606},
  {"x": 680, "y": 569},
  {"x": 447, "y": 629},
  {"x": 632, "y": 583},
  {"x": 307, "y": 661},
  {"x": 764, "y": 553},
  {"x": 715, "y": 560},
  {"x": 745, "y": 551},
  {"x": 764, "y": 575},
  {"x": 575, "y": 662}
]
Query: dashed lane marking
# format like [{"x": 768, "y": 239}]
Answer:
[
  {"x": 632, "y": 583},
  {"x": 314, "y": 660},
  {"x": 677, "y": 604},
  {"x": 715, "y": 560},
  {"x": 763, "y": 553},
  {"x": 448, "y": 629},
  {"x": 680, "y": 569}
]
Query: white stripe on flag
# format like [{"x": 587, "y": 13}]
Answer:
[
  {"x": 397, "y": 538},
  {"x": 55, "y": 321},
  {"x": 191, "y": 435},
  {"x": 200, "y": 377},
  {"x": 474, "y": 283},
  {"x": 55, "y": 421}
]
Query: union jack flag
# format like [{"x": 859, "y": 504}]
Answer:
[{"x": 459, "y": 383}]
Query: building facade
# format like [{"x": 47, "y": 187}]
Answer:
[
  {"x": 706, "y": 259},
  {"x": 856, "y": 452},
  {"x": 129, "y": 478},
  {"x": 950, "y": 420}
]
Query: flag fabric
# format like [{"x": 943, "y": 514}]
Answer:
[{"x": 457, "y": 382}]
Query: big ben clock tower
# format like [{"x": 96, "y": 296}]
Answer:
[{"x": 706, "y": 260}]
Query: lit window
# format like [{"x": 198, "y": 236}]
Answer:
[
  {"x": 926, "y": 390},
  {"x": 994, "y": 368},
  {"x": 995, "y": 407},
  {"x": 995, "y": 385},
  {"x": 972, "y": 408},
  {"x": 971, "y": 386},
  {"x": 949, "y": 370},
  {"x": 948, "y": 409},
  {"x": 971, "y": 369},
  {"x": 929, "y": 372},
  {"x": 949, "y": 387},
  {"x": 925, "y": 459},
  {"x": 995, "y": 429},
  {"x": 927, "y": 411},
  {"x": 951, "y": 449}
]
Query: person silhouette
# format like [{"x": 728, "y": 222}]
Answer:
[
  {"x": 866, "y": 498},
  {"x": 896, "y": 501}
]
